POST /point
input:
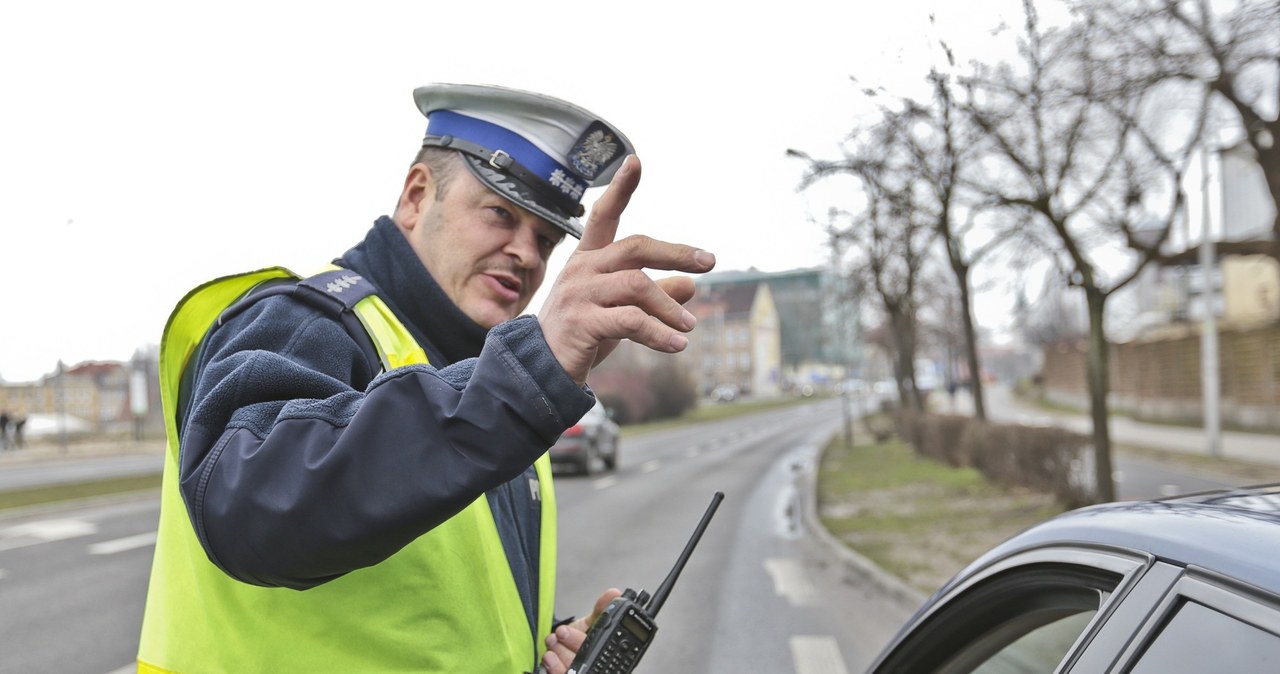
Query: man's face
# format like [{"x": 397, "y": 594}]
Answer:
[{"x": 488, "y": 255}]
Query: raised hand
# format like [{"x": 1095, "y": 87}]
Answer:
[{"x": 603, "y": 294}]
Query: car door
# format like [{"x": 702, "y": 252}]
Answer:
[{"x": 1034, "y": 611}]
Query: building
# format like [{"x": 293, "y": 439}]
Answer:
[
  {"x": 819, "y": 339},
  {"x": 1245, "y": 288},
  {"x": 738, "y": 339},
  {"x": 95, "y": 397}
]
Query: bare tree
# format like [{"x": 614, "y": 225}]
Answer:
[
  {"x": 1071, "y": 154},
  {"x": 888, "y": 240},
  {"x": 941, "y": 156},
  {"x": 1232, "y": 54}
]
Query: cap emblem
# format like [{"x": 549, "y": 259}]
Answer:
[
  {"x": 566, "y": 184},
  {"x": 595, "y": 150}
]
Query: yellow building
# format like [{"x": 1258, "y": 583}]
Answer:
[{"x": 738, "y": 339}]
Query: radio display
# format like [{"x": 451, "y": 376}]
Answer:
[{"x": 636, "y": 628}]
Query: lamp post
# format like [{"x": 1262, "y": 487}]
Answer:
[
  {"x": 60, "y": 404},
  {"x": 1209, "y": 383}
]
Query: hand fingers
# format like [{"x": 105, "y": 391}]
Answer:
[
  {"x": 632, "y": 288},
  {"x": 637, "y": 251},
  {"x": 634, "y": 324},
  {"x": 603, "y": 603},
  {"x": 602, "y": 224},
  {"x": 679, "y": 288},
  {"x": 563, "y": 644},
  {"x": 562, "y": 648}
]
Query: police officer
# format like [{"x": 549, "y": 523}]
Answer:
[{"x": 360, "y": 483}]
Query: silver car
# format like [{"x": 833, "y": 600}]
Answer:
[
  {"x": 589, "y": 446},
  {"x": 1188, "y": 584}
]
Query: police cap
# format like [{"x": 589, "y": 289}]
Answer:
[{"x": 539, "y": 152}]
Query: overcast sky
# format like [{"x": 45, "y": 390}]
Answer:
[{"x": 148, "y": 147}]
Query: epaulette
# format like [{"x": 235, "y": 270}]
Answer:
[{"x": 334, "y": 292}]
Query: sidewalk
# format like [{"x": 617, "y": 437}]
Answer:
[
  {"x": 49, "y": 450},
  {"x": 1004, "y": 407}
]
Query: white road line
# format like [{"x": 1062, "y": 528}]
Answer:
[
  {"x": 44, "y": 531},
  {"x": 604, "y": 482},
  {"x": 123, "y": 544},
  {"x": 817, "y": 655},
  {"x": 3, "y": 573},
  {"x": 127, "y": 669},
  {"x": 790, "y": 581},
  {"x": 650, "y": 466},
  {"x": 1170, "y": 490}
]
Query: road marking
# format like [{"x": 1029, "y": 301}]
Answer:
[
  {"x": 3, "y": 573},
  {"x": 604, "y": 482},
  {"x": 123, "y": 544},
  {"x": 127, "y": 669},
  {"x": 790, "y": 581},
  {"x": 44, "y": 531},
  {"x": 817, "y": 655},
  {"x": 1170, "y": 490},
  {"x": 650, "y": 466}
]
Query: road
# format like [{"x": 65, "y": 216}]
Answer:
[
  {"x": 79, "y": 469},
  {"x": 759, "y": 594}
]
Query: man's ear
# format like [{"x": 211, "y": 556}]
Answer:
[{"x": 416, "y": 195}]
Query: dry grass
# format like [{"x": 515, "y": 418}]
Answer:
[{"x": 919, "y": 520}]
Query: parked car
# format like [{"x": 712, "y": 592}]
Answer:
[
  {"x": 1189, "y": 584},
  {"x": 725, "y": 393},
  {"x": 589, "y": 445}
]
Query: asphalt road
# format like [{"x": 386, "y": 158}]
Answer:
[
  {"x": 77, "y": 469},
  {"x": 759, "y": 594}
]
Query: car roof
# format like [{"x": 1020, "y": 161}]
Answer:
[{"x": 1233, "y": 532}]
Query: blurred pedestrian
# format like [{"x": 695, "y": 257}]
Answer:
[
  {"x": 18, "y": 423},
  {"x": 4, "y": 431}
]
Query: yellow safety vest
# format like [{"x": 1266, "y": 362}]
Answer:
[{"x": 447, "y": 602}]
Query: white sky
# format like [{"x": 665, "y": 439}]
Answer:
[{"x": 148, "y": 147}]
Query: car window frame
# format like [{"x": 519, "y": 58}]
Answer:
[
  {"x": 1241, "y": 601},
  {"x": 920, "y": 636}
]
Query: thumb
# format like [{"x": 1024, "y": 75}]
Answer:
[{"x": 603, "y": 603}]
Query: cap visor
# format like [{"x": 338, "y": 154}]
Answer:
[{"x": 517, "y": 193}]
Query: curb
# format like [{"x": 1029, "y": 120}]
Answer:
[{"x": 886, "y": 582}]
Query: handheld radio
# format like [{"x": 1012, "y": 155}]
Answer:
[{"x": 623, "y": 632}]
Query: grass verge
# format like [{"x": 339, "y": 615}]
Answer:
[
  {"x": 19, "y": 498},
  {"x": 918, "y": 520}
]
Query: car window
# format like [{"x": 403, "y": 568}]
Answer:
[
  {"x": 1194, "y": 639},
  {"x": 1024, "y": 620},
  {"x": 1041, "y": 648}
]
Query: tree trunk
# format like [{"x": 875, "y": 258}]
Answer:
[
  {"x": 907, "y": 360},
  {"x": 1098, "y": 364},
  {"x": 971, "y": 346},
  {"x": 904, "y": 365}
]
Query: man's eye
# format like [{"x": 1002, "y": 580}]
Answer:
[{"x": 501, "y": 212}]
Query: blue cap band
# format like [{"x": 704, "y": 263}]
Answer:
[{"x": 494, "y": 137}]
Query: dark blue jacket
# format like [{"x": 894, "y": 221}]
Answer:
[{"x": 299, "y": 465}]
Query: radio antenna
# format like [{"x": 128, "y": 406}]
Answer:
[{"x": 660, "y": 595}]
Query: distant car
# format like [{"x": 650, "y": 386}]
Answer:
[
  {"x": 724, "y": 393},
  {"x": 1189, "y": 584},
  {"x": 589, "y": 445}
]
